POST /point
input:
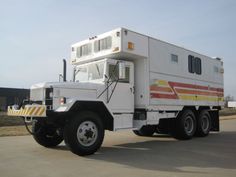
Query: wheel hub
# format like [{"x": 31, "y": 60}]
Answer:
[
  {"x": 188, "y": 125},
  {"x": 87, "y": 133}
]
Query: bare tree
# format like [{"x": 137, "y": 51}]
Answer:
[{"x": 227, "y": 99}]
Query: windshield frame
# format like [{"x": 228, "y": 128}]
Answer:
[{"x": 102, "y": 79}]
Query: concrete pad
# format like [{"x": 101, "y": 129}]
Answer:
[{"x": 125, "y": 154}]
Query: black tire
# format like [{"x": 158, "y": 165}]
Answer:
[
  {"x": 203, "y": 124},
  {"x": 184, "y": 125},
  {"x": 161, "y": 131},
  {"x": 147, "y": 130},
  {"x": 90, "y": 130},
  {"x": 46, "y": 135},
  {"x": 163, "y": 127}
]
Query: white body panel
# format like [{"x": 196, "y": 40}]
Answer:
[
  {"x": 160, "y": 83},
  {"x": 152, "y": 64}
]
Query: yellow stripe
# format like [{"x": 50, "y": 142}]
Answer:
[
  {"x": 163, "y": 83},
  {"x": 37, "y": 111},
  {"x": 205, "y": 98},
  {"x": 32, "y": 110},
  {"x": 25, "y": 110},
  {"x": 42, "y": 111},
  {"x": 28, "y": 110},
  {"x": 200, "y": 98},
  {"x": 221, "y": 98},
  {"x": 21, "y": 111}
]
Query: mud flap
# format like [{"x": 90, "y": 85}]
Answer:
[{"x": 215, "y": 121}]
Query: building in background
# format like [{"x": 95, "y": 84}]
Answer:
[
  {"x": 10, "y": 96},
  {"x": 232, "y": 104}
]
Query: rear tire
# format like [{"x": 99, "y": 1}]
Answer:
[
  {"x": 46, "y": 135},
  {"x": 147, "y": 130},
  {"x": 184, "y": 126},
  {"x": 84, "y": 133},
  {"x": 203, "y": 124}
]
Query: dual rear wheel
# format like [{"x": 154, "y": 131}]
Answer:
[{"x": 184, "y": 127}]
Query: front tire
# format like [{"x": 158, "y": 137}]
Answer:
[
  {"x": 84, "y": 133},
  {"x": 46, "y": 135}
]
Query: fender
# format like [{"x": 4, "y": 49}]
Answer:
[{"x": 97, "y": 106}]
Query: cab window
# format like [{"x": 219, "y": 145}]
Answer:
[{"x": 114, "y": 74}]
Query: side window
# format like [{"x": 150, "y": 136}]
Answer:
[
  {"x": 174, "y": 58},
  {"x": 114, "y": 73},
  {"x": 216, "y": 69},
  {"x": 198, "y": 65},
  {"x": 103, "y": 44},
  {"x": 191, "y": 64},
  {"x": 194, "y": 65},
  {"x": 84, "y": 50}
]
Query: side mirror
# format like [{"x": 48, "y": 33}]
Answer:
[{"x": 121, "y": 70}]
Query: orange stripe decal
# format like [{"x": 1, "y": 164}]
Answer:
[{"x": 186, "y": 91}]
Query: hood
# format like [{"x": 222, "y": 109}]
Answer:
[{"x": 82, "y": 85}]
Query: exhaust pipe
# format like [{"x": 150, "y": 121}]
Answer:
[{"x": 64, "y": 70}]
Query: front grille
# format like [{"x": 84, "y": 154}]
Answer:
[
  {"x": 48, "y": 100},
  {"x": 41, "y": 96}
]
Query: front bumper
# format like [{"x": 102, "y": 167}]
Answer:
[{"x": 28, "y": 111}]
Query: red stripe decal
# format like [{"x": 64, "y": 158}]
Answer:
[
  {"x": 161, "y": 89},
  {"x": 159, "y": 95},
  {"x": 177, "y": 84}
]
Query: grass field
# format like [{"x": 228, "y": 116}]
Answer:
[
  {"x": 228, "y": 112},
  {"x": 9, "y": 120}
]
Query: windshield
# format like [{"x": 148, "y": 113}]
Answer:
[{"x": 89, "y": 72}]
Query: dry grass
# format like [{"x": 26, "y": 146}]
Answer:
[
  {"x": 11, "y": 126},
  {"x": 227, "y": 112},
  {"x": 13, "y": 131},
  {"x": 10, "y": 120}
]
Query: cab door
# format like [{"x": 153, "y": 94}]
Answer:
[{"x": 120, "y": 94}]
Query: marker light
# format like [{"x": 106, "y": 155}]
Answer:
[{"x": 130, "y": 45}]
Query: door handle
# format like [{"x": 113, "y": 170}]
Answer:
[{"x": 132, "y": 89}]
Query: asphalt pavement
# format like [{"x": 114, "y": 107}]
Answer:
[{"x": 125, "y": 154}]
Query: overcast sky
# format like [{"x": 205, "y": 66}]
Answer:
[{"x": 36, "y": 35}]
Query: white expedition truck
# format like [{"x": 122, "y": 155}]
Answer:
[{"x": 126, "y": 80}]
